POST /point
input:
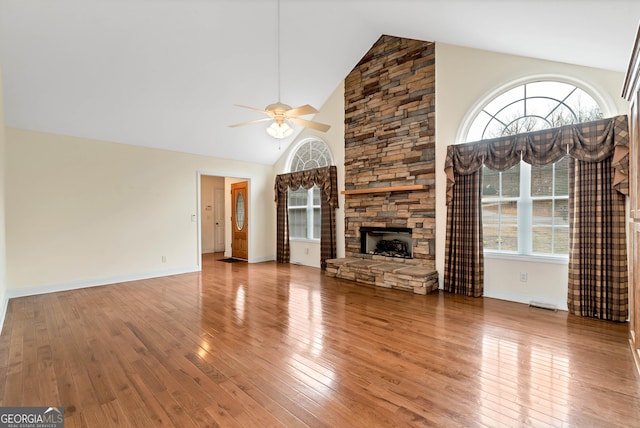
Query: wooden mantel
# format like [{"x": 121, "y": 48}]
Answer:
[{"x": 385, "y": 189}]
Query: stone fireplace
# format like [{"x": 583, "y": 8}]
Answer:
[
  {"x": 390, "y": 145},
  {"x": 390, "y": 163}
]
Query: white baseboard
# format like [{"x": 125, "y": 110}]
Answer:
[
  {"x": 520, "y": 298},
  {"x": 262, "y": 259},
  {"x": 524, "y": 298},
  {"x": 74, "y": 285}
]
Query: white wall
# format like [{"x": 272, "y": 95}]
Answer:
[
  {"x": 82, "y": 212},
  {"x": 466, "y": 76},
  {"x": 307, "y": 252},
  {"x": 3, "y": 252}
]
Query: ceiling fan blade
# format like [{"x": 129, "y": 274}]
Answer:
[
  {"x": 310, "y": 124},
  {"x": 301, "y": 111},
  {"x": 249, "y": 122},
  {"x": 255, "y": 109}
]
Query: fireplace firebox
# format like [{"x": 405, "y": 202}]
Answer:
[{"x": 387, "y": 241}]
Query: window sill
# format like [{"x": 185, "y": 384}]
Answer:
[{"x": 531, "y": 258}]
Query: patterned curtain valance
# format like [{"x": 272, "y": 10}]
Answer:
[
  {"x": 588, "y": 142},
  {"x": 326, "y": 178}
]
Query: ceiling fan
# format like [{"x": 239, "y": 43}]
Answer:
[{"x": 281, "y": 113}]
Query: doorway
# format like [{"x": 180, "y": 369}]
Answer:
[
  {"x": 212, "y": 218},
  {"x": 216, "y": 206}
]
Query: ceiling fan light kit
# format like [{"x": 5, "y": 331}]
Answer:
[
  {"x": 281, "y": 113},
  {"x": 279, "y": 130}
]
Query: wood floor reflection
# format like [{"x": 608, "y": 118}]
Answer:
[{"x": 281, "y": 345}]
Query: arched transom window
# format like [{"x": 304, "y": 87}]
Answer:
[
  {"x": 532, "y": 107},
  {"x": 310, "y": 154}
]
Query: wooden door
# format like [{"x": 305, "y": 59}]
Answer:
[{"x": 239, "y": 221}]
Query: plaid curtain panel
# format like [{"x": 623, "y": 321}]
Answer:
[
  {"x": 598, "y": 283},
  {"x": 326, "y": 178},
  {"x": 283, "y": 252},
  {"x": 463, "y": 259}
]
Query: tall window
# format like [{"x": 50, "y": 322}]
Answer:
[
  {"x": 525, "y": 209},
  {"x": 304, "y": 205}
]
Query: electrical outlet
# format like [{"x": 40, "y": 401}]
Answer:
[
  {"x": 164, "y": 259},
  {"x": 523, "y": 277},
  {"x": 306, "y": 251}
]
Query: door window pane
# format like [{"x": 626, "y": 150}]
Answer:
[{"x": 240, "y": 211}]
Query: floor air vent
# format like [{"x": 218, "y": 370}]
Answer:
[{"x": 542, "y": 305}]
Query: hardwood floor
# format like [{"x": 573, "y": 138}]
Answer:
[{"x": 282, "y": 345}]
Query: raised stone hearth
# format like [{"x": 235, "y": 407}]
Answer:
[{"x": 381, "y": 273}]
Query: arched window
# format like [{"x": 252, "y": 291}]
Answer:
[
  {"x": 309, "y": 154},
  {"x": 525, "y": 209},
  {"x": 304, "y": 205}
]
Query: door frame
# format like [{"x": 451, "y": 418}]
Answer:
[{"x": 227, "y": 227}]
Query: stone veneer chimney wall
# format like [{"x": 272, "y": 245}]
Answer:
[{"x": 390, "y": 141}]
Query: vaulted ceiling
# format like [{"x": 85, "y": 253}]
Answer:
[{"x": 167, "y": 73}]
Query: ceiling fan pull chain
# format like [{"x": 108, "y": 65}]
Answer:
[
  {"x": 278, "y": 32},
  {"x": 282, "y": 114}
]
